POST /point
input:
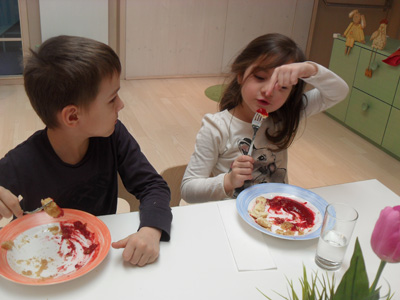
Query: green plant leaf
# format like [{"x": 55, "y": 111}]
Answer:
[
  {"x": 354, "y": 284},
  {"x": 373, "y": 295}
]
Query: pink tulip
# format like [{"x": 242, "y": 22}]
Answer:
[{"x": 385, "y": 239}]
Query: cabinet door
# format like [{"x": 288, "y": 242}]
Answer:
[
  {"x": 367, "y": 115},
  {"x": 396, "y": 102},
  {"x": 383, "y": 82},
  {"x": 345, "y": 66},
  {"x": 391, "y": 140}
]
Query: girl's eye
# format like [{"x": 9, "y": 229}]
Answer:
[
  {"x": 258, "y": 77},
  {"x": 113, "y": 99}
]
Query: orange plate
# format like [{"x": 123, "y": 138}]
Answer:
[{"x": 19, "y": 226}]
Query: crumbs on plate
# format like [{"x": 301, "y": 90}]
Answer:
[{"x": 7, "y": 245}]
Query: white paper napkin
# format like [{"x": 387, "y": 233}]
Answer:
[{"x": 247, "y": 244}]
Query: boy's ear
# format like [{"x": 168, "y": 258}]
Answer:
[{"x": 69, "y": 115}]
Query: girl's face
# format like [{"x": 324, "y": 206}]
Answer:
[{"x": 254, "y": 87}]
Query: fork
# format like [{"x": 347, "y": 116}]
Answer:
[
  {"x": 255, "y": 123},
  {"x": 37, "y": 209}
]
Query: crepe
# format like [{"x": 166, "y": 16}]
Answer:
[{"x": 52, "y": 209}]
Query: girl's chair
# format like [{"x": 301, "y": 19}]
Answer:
[{"x": 173, "y": 176}]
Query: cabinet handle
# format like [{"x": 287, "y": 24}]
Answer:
[
  {"x": 374, "y": 66},
  {"x": 365, "y": 106}
]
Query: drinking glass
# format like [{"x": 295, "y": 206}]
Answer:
[{"x": 337, "y": 228}]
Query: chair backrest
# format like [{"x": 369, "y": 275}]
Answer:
[
  {"x": 173, "y": 176},
  {"x": 124, "y": 194}
]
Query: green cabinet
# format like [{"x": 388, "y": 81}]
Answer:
[
  {"x": 367, "y": 115},
  {"x": 372, "y": 108},
  {"x": 383, "y": 83},
  {"x": 396, "y": 102},
  {"x": 391, "y": 140},
  {"x": 345, "y": 66}
]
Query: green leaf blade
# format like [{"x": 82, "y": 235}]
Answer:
[{"x": 354, "y": 284}]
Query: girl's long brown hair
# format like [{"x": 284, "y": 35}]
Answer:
[{"x": 267, "y": 52}]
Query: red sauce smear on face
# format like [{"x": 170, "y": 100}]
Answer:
[
  {"x": 299, "y": 211},
  {"x": 72, "y": 232}
]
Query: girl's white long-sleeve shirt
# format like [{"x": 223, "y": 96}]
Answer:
[{"x": 223, "y": 137}]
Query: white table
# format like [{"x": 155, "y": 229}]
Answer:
[{"x": 198, "y": 264}]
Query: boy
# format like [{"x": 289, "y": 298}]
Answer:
[{"x": 72, "y": 84}]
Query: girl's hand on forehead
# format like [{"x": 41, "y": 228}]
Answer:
[{"x": 288, "y": 75}]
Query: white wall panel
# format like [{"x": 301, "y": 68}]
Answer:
[
  {"x": 87, "y": 18},
  {"x": 302, "y": 22},
  {"x": 248, "y": 19},
  {"x": 201, "y": 37},
  {"x": 176, "y": 37}
]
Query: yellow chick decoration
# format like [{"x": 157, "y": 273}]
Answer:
[
  {"x": 355, "y": 30},
  {"x": 378, "y": 38}
]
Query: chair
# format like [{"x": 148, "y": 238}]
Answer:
[
  {"x": 123, "y": 206},
  {"x": 124, "y": 194},
  {"x": 173, "y": 176}
]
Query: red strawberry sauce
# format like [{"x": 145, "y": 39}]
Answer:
[
  {"x": 263, "y": 112},
  {"x": 305, "y": 217},
  {"x": 73, "y": 232}
]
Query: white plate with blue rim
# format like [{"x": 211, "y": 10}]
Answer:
[{"x": 246, "y": 201}]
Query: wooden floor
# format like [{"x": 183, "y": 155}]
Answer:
[{"x": 164, "y": 115}]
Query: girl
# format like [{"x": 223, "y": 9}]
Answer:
[{"x": 266, "y": 75}]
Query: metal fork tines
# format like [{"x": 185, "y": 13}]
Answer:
[
  {"x": 37, "y": 209},
  {"x": 255, "y": 123}
]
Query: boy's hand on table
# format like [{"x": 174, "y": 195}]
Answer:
[
  {"x": 9, "y": 204},
  {"x": 142, "y": 247}
]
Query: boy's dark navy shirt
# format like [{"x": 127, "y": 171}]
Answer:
[{"x": 34, "y": 171}]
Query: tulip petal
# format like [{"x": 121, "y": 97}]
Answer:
[{"x": 385, "y": 239}]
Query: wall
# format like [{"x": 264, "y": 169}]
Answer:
[
  {"x": 88, "y": 18},
  {"x": 192, "y": 37}
]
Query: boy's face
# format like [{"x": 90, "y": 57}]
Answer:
[{"x": 99, "y": 119}]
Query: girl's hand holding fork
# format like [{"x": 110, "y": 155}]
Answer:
[{"x": 241, "y": 170}]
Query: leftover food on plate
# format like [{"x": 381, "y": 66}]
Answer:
[
  {"x": 73, "y": 231},
  {"x": 52, "y": 209},
  {"x": 48, "y": 251},
  {"x": 283, "y": 215},
  {"x": 53, "y": 250},
  {"x": 7, "y": 245}
]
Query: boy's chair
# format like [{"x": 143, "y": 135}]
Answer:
[{"x": 173, "y": 176}]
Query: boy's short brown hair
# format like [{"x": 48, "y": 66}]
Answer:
[{"x": 67, "y": 70}]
